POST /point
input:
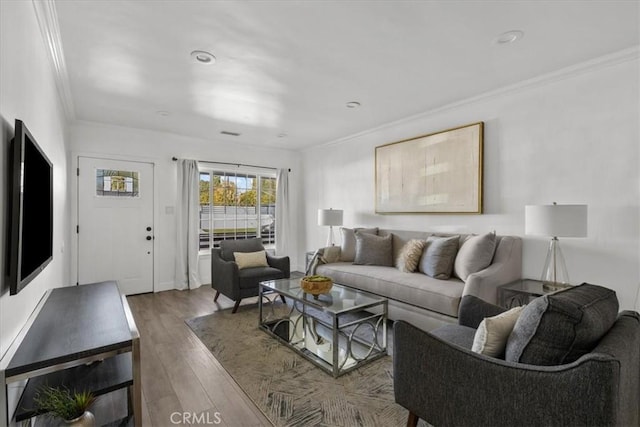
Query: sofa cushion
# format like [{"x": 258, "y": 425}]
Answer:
[
  {"x": 558, "y": 328},
  {"x": 373, "y": 250},
  {"x": 420, "y": 290},
  {"x": 438, "y": 257},
  {"x": 410, "y": 254},
  {"x": 348, "y": 247},
  {"x": 474, "y": 255},
  {"x": 228, "y": 247},
  {"x": 493, "y": 332}
]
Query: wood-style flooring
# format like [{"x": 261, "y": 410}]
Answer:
[{"x": 179, "y": 374}]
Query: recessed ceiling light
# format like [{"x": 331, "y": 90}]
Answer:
[
  {"x": 203, "y": 57},
  {"x": 509, "y": 37},
  {"x": 353, "y": 104},
  {"x": 163, "y": 113}
]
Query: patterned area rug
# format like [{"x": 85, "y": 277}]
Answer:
[{"x": 290, "y": 390}]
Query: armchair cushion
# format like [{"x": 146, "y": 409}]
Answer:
[
  {"x": 492, "y": 334},
  {"x": 558, "y": 328},
  {"x": 249, "y": 277},
  {"x": 251, "y": 259},
  {"x": 228, "y": 247},
  {"x": 456, "y": 334},
  {"x": 473, "y": 310}
]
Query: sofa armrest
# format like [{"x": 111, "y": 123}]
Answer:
[
  {"x": 320, "y": 257},
  {"x": 224, "y": 275},
  {"x": 282, "y": 263},
  {"x": 473, "y": 310},
  {"x": 447, "y": 385},
  {"x": 505, "y": 268}
]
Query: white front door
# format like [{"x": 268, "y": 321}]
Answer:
[{"x": 115, "y": 223}]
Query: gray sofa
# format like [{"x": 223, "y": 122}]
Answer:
[
  {"x": 417, "y": 298},
  {"x": 570, "y": 360}
]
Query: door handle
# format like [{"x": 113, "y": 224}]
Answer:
[
  {"x": 148, "y": 228},
  {"x": 149, "y": 237}
]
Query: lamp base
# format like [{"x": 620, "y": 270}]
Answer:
[{"x": 554, "y": 273}]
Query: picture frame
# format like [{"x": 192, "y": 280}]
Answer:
[{"x": 437, "y": 173}]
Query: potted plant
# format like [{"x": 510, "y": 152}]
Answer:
[{"x": 72, "y": 407}]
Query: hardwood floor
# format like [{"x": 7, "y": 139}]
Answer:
[{"x": 179, "y": 374}]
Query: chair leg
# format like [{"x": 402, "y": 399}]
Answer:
[
  {"x": 215, "y": 299},
  {"x": 235, "y": 307},
  {"x": 282, "y": 298},
  {"x": 412, "y": 421}
]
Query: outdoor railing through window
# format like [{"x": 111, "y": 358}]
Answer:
[{"x": 235, "y": 205}]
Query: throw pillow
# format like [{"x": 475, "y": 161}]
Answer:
[
  {"x": 438, "y": 257},
  {"x": 251, "y": 259},
  {"x": 492, "y": 334},
  {"x": 558, "y": 328},
  {"x": 409, "y": 256},
  {"x": 374, "y": 250},
  {"x": 331, "y": 254},
  {"x": 474, "y": 255},
  {"x": 348, "y": 247}
]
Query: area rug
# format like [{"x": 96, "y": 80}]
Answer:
[{"x": 290, "y": 390}]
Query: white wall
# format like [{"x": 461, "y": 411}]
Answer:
[
  {"x": 28, "y": 92},
  {"x": 571, "y": 137},
  {"x": 159, "y": 148}
]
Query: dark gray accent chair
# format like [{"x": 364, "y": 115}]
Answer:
[
  {"x": 577, "y": 382},
  {"x": 227, "y": 279}
]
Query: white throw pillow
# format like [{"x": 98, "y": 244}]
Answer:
[
  {"x": 492, "y": 334},
  {"x": 251, "y": 259}
]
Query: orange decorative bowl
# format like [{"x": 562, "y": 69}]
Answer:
[{"x": 316, "y": 285}]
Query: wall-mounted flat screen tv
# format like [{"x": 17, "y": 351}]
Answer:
[{"x": 31, "y": 210}]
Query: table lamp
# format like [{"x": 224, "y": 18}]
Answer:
[
  {"x": 330, "y": 217},
  {"x": 555, "y": 221}
]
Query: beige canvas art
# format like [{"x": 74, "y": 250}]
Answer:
[{"x": 435, "y": 173}]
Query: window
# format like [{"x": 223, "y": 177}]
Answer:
[
  {"x": 117, "y": 183},
  {"x": 237, "y": 205}
]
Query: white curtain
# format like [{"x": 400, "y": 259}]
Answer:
[
  {"x": 283, "y": 218},
  {"x": 187, "y": 217}
]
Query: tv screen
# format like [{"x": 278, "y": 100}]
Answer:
[{"x": 31, "y": 216}]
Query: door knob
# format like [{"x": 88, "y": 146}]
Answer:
[
  {"x": 148, "y": 228},
  {"x": 149, "y": 237}
]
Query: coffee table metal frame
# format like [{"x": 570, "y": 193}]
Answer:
[{"x": 301, "y": 329}]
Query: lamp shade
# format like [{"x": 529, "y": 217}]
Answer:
[
  {"x": 329, "y": 217},
  {"x": 556, "y": 220}
]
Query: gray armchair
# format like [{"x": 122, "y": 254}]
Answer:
[
  {"x": 227, "y": 279},
  {"x": 440, "y": 380}
]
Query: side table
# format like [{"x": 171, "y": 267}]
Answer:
[{"x": 521, "y": 292}]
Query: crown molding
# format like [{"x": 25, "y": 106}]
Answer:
[
  {"x": 48, "y": 22},
  {"x": 629, "y": 54}
]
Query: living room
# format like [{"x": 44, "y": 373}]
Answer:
[{"x": 567, "y": 134}]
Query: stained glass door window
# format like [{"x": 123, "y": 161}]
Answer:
[{"x": 115, "y": 183}]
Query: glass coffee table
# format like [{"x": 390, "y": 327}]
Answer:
[{"x": 338, "y": 331}]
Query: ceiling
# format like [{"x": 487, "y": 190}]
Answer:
[{"x": 285, "y": 70}]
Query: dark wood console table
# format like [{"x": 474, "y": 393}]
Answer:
[{"x": 83, "y": 337}]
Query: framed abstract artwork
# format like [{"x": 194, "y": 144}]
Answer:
[{"x": 436, "y": 173}]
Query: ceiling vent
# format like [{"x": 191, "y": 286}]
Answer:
[{"x": 226, "y": 132}]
